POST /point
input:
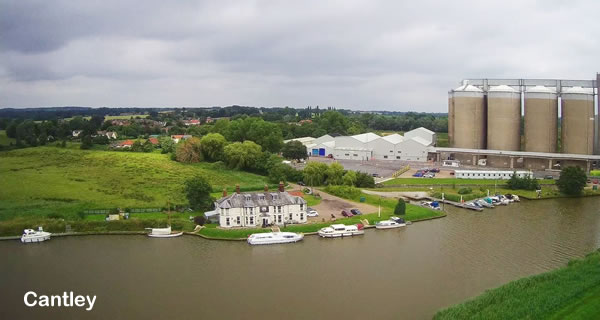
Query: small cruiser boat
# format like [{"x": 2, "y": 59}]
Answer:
[
  {"x": 341, "y": 230},
  {"x": 484, "y": 204},
  {"x": 30, "y": 235},
  {"x": 163, "y": 232},
  {"x": 274, "y": 238},
  {"x": 394, "y": 222}
]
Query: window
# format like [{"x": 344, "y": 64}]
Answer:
[
  {"x": 227, "y": 211},
  {"x": 279, "y": 218},
  {"x": 251, "y": 220},
  {"x": 397, "y": 157},
  {"x": 238, "y": 220},
  {"x": 301, "y": 216},
  {"x": 399, "y": 151},
  {"x": 278, "y": 209},
  {"x": 227, "y": 221},
  {"x": 301, "y": 207},
  {"x": 356, "y": 154},
  {"x": 347, "y": 154},
  {"x": 391, "y": 151},
  {"x": 290, "y": 216},
  {"x": 261, "y": 197}
]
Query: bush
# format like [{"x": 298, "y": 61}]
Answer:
[
  {"x": 466, "y": 190},
  {"x": 347, "y": 192},
  {"x": 200, "y": 220},
  {"x": 364, "y": 180},
  {"x": 526, "y": 183},
  {"x": 400, "y": 208},
  {"x": 572, "y": 180}
]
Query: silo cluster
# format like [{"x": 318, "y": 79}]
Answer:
[{"x": 489, "y": 117}]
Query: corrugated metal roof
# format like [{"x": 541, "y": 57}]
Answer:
[
  {"x": 393, "y": 138},
  {"x": 366, "y": 137}
]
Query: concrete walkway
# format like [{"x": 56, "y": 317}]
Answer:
[{"x": 396, "y": 194}]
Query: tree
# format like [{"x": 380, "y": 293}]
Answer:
[
  {"x": 400, "y": 208},
  {"x": 86, "y": 142},
  {"x": 166, "y": 144},
  {"x": 314, "y": 173},
  {"x": 294, "y": 150},
  {"x": 137, "y": 146},
  {"x": 335, "y": 174},
  {"x": 200, "y": 220},
  {"x": 213, "y": 145},
  {"x": 349, "y": 178},
  {"x": 189, "y": 150},
  {"x": 197, "y": 191},
  {"x": 572, "y": 180},
  {"x": 364, "y": 180},
  {"x": 242, "y": 155},
  {"x": 147, "y": 146}
]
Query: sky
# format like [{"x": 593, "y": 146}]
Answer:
[{"x": 361, "y": 55}]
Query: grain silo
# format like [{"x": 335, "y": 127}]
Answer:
[
  {"x": 541, "y": 117},
  {"x": 503, "y": 118},
  {"x": 577, "y": 121},
  {"x": 469, "y": 125},
  {"x": 450, "y": 119}
]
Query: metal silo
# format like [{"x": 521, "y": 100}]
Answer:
[
  {"x": 450, "y": 120},
  {"x": 541, "y": 117},
  {"x": 577, "y": 121},
  {"x": 469, "y": 117},
  {"x": 503, "y": 118}
]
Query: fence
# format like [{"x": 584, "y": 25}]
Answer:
[
  {"x": 401, "y": 171},
  {"x": 130, "y": 210}
]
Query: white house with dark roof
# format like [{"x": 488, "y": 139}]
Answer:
[{"x": 256, "y": 209}]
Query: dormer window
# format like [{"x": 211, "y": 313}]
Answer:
[
  {"x": 248, "y": 197},
  {"x": 261, "y": 197},
  {"x": 275, "y": 196}
]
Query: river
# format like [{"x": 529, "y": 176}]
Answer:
[{"x": 407, "y": 273}]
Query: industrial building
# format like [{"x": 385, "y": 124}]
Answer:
[
  {"x": 413, "y": 146},
  {"x": 517, "y": 123}
]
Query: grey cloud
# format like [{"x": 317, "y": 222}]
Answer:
[{"x": 359, "y": 54}]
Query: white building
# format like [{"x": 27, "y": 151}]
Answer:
[
  {"x": 357, "y": 147},
  {"x": 423, "y": 133},
  {"x": 256, "y": 209},
  {"x": 304, "y": 140},
  {"x": 490, "y": 174}
]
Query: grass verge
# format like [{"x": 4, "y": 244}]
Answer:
[{"x": 572, "y": 292}]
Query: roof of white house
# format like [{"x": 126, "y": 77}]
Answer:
[
  {"x": 420, "y": 129},
  {"x": 330, "y": 144},
  {"x": 302, "y": 139},
  {"x": 258, "y": 199},
  {"x": 393, "y": 138},
  {"x": 421, "y": 141},
  {"x": 366, "y": 137}
]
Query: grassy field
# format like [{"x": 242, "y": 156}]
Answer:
[
  {"x": 115, "y": 117},
  {"x": 451, "y": 181},
  {"x": 311, "y": 200},
  {"x": 50, "y": 181},
  {"x": 572, "y": 292},
  {"x": 4, "y": 140}
]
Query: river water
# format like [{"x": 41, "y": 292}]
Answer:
[{"x": 407, "y": 273}]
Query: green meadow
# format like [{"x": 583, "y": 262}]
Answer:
[
  {"x": 5, "y": 140},
  {"x": 63, "y": 182}
]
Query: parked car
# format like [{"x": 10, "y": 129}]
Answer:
[
  {"x": 549, "y": 177},
  {"x": 356, "y": 212},
  {"x": 418, "y": 175},
  {"x": 376, "y": 175},
  {"x": 435, "y": 170},
  {"x": 346, "y": 213},
  {"x": 300, "y": 183},
  {"x": 312, "y": 213},
  {"x": 429, "y": 175}
]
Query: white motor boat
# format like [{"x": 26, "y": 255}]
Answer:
[
  {"x": 484, "y": 204},
  {"x": 394, "y": 222},
  {"x": 163, "y": 232},
  {"x": 341, "y": 230},
  {"x": 274, "y": 238},
  {"x": 30, "y": 235}
]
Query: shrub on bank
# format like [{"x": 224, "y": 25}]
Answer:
[
  {"x": 466, "y": 190},
  {"x": 347, "y": 192}
]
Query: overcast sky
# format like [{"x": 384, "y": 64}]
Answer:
[{"x": 384, "y": 55}]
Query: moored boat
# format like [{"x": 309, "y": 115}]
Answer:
[
  {"x": 30, "y": 235},
  {"x": 394, "y": 222},
  {"x": 274, "y": 238},
  {"x": 163, "y": 232},
  {"x": 341, "y": 230}
]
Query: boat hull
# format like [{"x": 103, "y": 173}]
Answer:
[
  {"x": 171, "y": 235},
  {"x": 341, "y": 234},
  {"x": 280, "y": 239},
  {"x": 391, "y": 226}
]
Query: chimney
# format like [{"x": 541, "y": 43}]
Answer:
[
  {"x": 224, "y": 192},
  {"x": 266, "y": 188},
  {"x": 281, "y": 189},
  {"x": 237, "y": 188}
]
